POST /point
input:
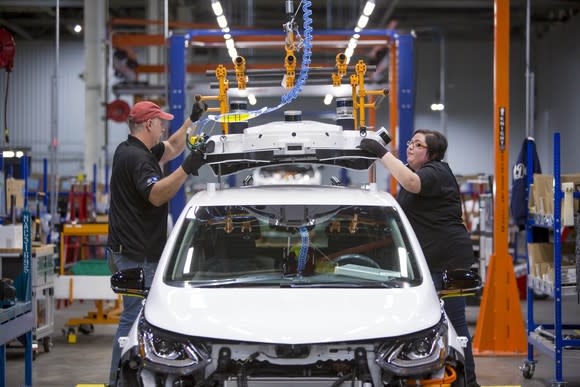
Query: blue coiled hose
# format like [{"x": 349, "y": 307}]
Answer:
[
  {"x": 302, "y": 77},
  {"x": 306, "y": 54},
  {"x": 305, "y": 243}
]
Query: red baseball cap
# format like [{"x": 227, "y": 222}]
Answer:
[{"x": 146, "y": 110}]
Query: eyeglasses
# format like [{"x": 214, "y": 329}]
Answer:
[{"x": 416, "y": 144}]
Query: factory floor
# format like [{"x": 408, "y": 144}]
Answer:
[{"x": 87, "y": 361}]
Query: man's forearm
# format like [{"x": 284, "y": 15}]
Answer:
[{"x": 167, "y": 187}]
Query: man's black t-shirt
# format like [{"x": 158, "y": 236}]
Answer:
[
  {"x": 135, "y": 224},
  {"x": 435, "y": 214}
]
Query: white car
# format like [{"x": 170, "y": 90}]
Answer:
[{"x": 291, "y": 285}]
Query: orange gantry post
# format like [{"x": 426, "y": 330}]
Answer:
[{"x": 500, "y": 327}]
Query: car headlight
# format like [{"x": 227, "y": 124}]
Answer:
[
  {"x": 170, "y": 352},
  {"x": 417, "y": 354}
]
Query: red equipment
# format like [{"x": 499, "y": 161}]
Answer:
[
  {"x": 7, "y": 49},
  {"x": 118, "y": 110}
]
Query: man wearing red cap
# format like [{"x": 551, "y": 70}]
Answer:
[{"x": 139, "y": 193}]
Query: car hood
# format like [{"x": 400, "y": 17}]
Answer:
[{"x": 293, "y": 316}]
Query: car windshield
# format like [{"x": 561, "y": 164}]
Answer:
[{"x": 292, "y": 245}]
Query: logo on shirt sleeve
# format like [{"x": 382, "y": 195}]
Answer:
[{"x": 152, "y": 180}]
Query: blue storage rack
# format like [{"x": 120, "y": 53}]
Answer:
[
  {"x": 18, "y": 320},
  {"x": 548, "y": 338}
]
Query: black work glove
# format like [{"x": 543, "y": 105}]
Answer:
[
  {"x": 193, "y": 162},
  {"x": 197, "y": 109},
  {"x": 373, "y": 147}
]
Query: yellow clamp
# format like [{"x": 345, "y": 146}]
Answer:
[
  {"x": 290, "y": 64},
  {"x": 240, "y": 67}
]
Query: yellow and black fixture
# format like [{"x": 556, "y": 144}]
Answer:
[
  {"x": 340, "y": 69},
  {"x": 221, "y": 74},
  {"x": 240, "y": 67},
  {"x": 358, "y": 97}
]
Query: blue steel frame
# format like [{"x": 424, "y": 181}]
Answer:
[
  {"x": 177, "y": 92},
  {"x": 177, "y": 108},
  {"x": 556, "y": 350}
]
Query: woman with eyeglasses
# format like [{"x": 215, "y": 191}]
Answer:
[{"x": 429, "y": 195}]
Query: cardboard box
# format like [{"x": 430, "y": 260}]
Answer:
[
  {"x": 543, "y": 192},
  {"x": 11, "y": 236},
  {"x": 540, "y": 256},
  {"x": 14, "y": 187}
]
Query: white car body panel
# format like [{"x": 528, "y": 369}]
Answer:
[{"x": 306, "y": 315}]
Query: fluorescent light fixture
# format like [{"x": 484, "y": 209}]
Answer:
[
  {"x": 233, "y": 53},
  {"x": 7, "y": 154},
  {"x": 227, "y": 36},
  {"x": 78, "y": 28},
  {"x": 352, "y": 43},
  {"x": 230, "y": 43},
  {"x": 226, "y": 30},
  {"x": 217, "y": 7},
  {"x": 356, "y": 36},
  {"x": 19, "y": 154},
  {"x": 369, "y": 7},
  {"x": 362, "y": 21},
  {"x": 328, "y": 99},
  {"x": 357, "y": 30},
  {"x": 252, "y": 99},
  {"x": 349, "y": 51},
  {"x": 437, "y": 107},
  {"x": 222, "y": 22}
]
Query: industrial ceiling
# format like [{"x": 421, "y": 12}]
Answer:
[{"x": 457, "y": 19}]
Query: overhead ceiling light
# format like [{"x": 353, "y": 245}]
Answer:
[
  {"x": 226, "y": 30},
  {"x": 233, "y": 53},
  {"x": 78, "y": 28},
  {"x": 222, "y": 22},
  {"x": 356, "y": 36},
  {"x": 357, "y": 30},
  {"x": 217, "y": 7},
  {"x": 362, "y": 21},
  {"x": 230, "y": 43},
  {"x": 369, "y": 7},
  {"x": 437, "y": 107},
  {"x": 227, "y": 36},
  {"x": 328, "y": 99}
]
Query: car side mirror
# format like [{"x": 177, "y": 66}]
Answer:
[
  {"x": 130, "y": 282},
  {"x": 459, "y": 281}
]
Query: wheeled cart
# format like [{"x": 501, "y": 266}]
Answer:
[{"x": 557, "y": 339}]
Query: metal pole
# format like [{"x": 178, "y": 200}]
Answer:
[
  {"x": 54, "y": 127},
  {"x": 442, "y": 81},
  {"x": 528, "y": 126}
]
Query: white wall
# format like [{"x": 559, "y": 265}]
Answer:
[
  {"x": 30, "y": 102},
  {"x": 556, "y": 63}
]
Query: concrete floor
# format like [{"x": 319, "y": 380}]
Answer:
[{"x": 88, "y": 360}]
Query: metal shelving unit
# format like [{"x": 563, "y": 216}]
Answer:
[
  {"x": 17, "y": 321},
  {"x": 550, "y": 338}
]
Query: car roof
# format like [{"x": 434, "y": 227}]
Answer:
[
  {"x": 288, "y": 142},
  {"x": 292, "y": 194}
]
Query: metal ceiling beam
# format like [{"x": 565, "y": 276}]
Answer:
[{"x": 16, "y": 29}]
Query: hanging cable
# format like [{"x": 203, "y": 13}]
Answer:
[{"x": 306, "y": 44}]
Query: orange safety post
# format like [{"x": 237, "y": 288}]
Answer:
[
  {"x": 500, "y": 326},
  {"x": 393, "y": 108}
]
